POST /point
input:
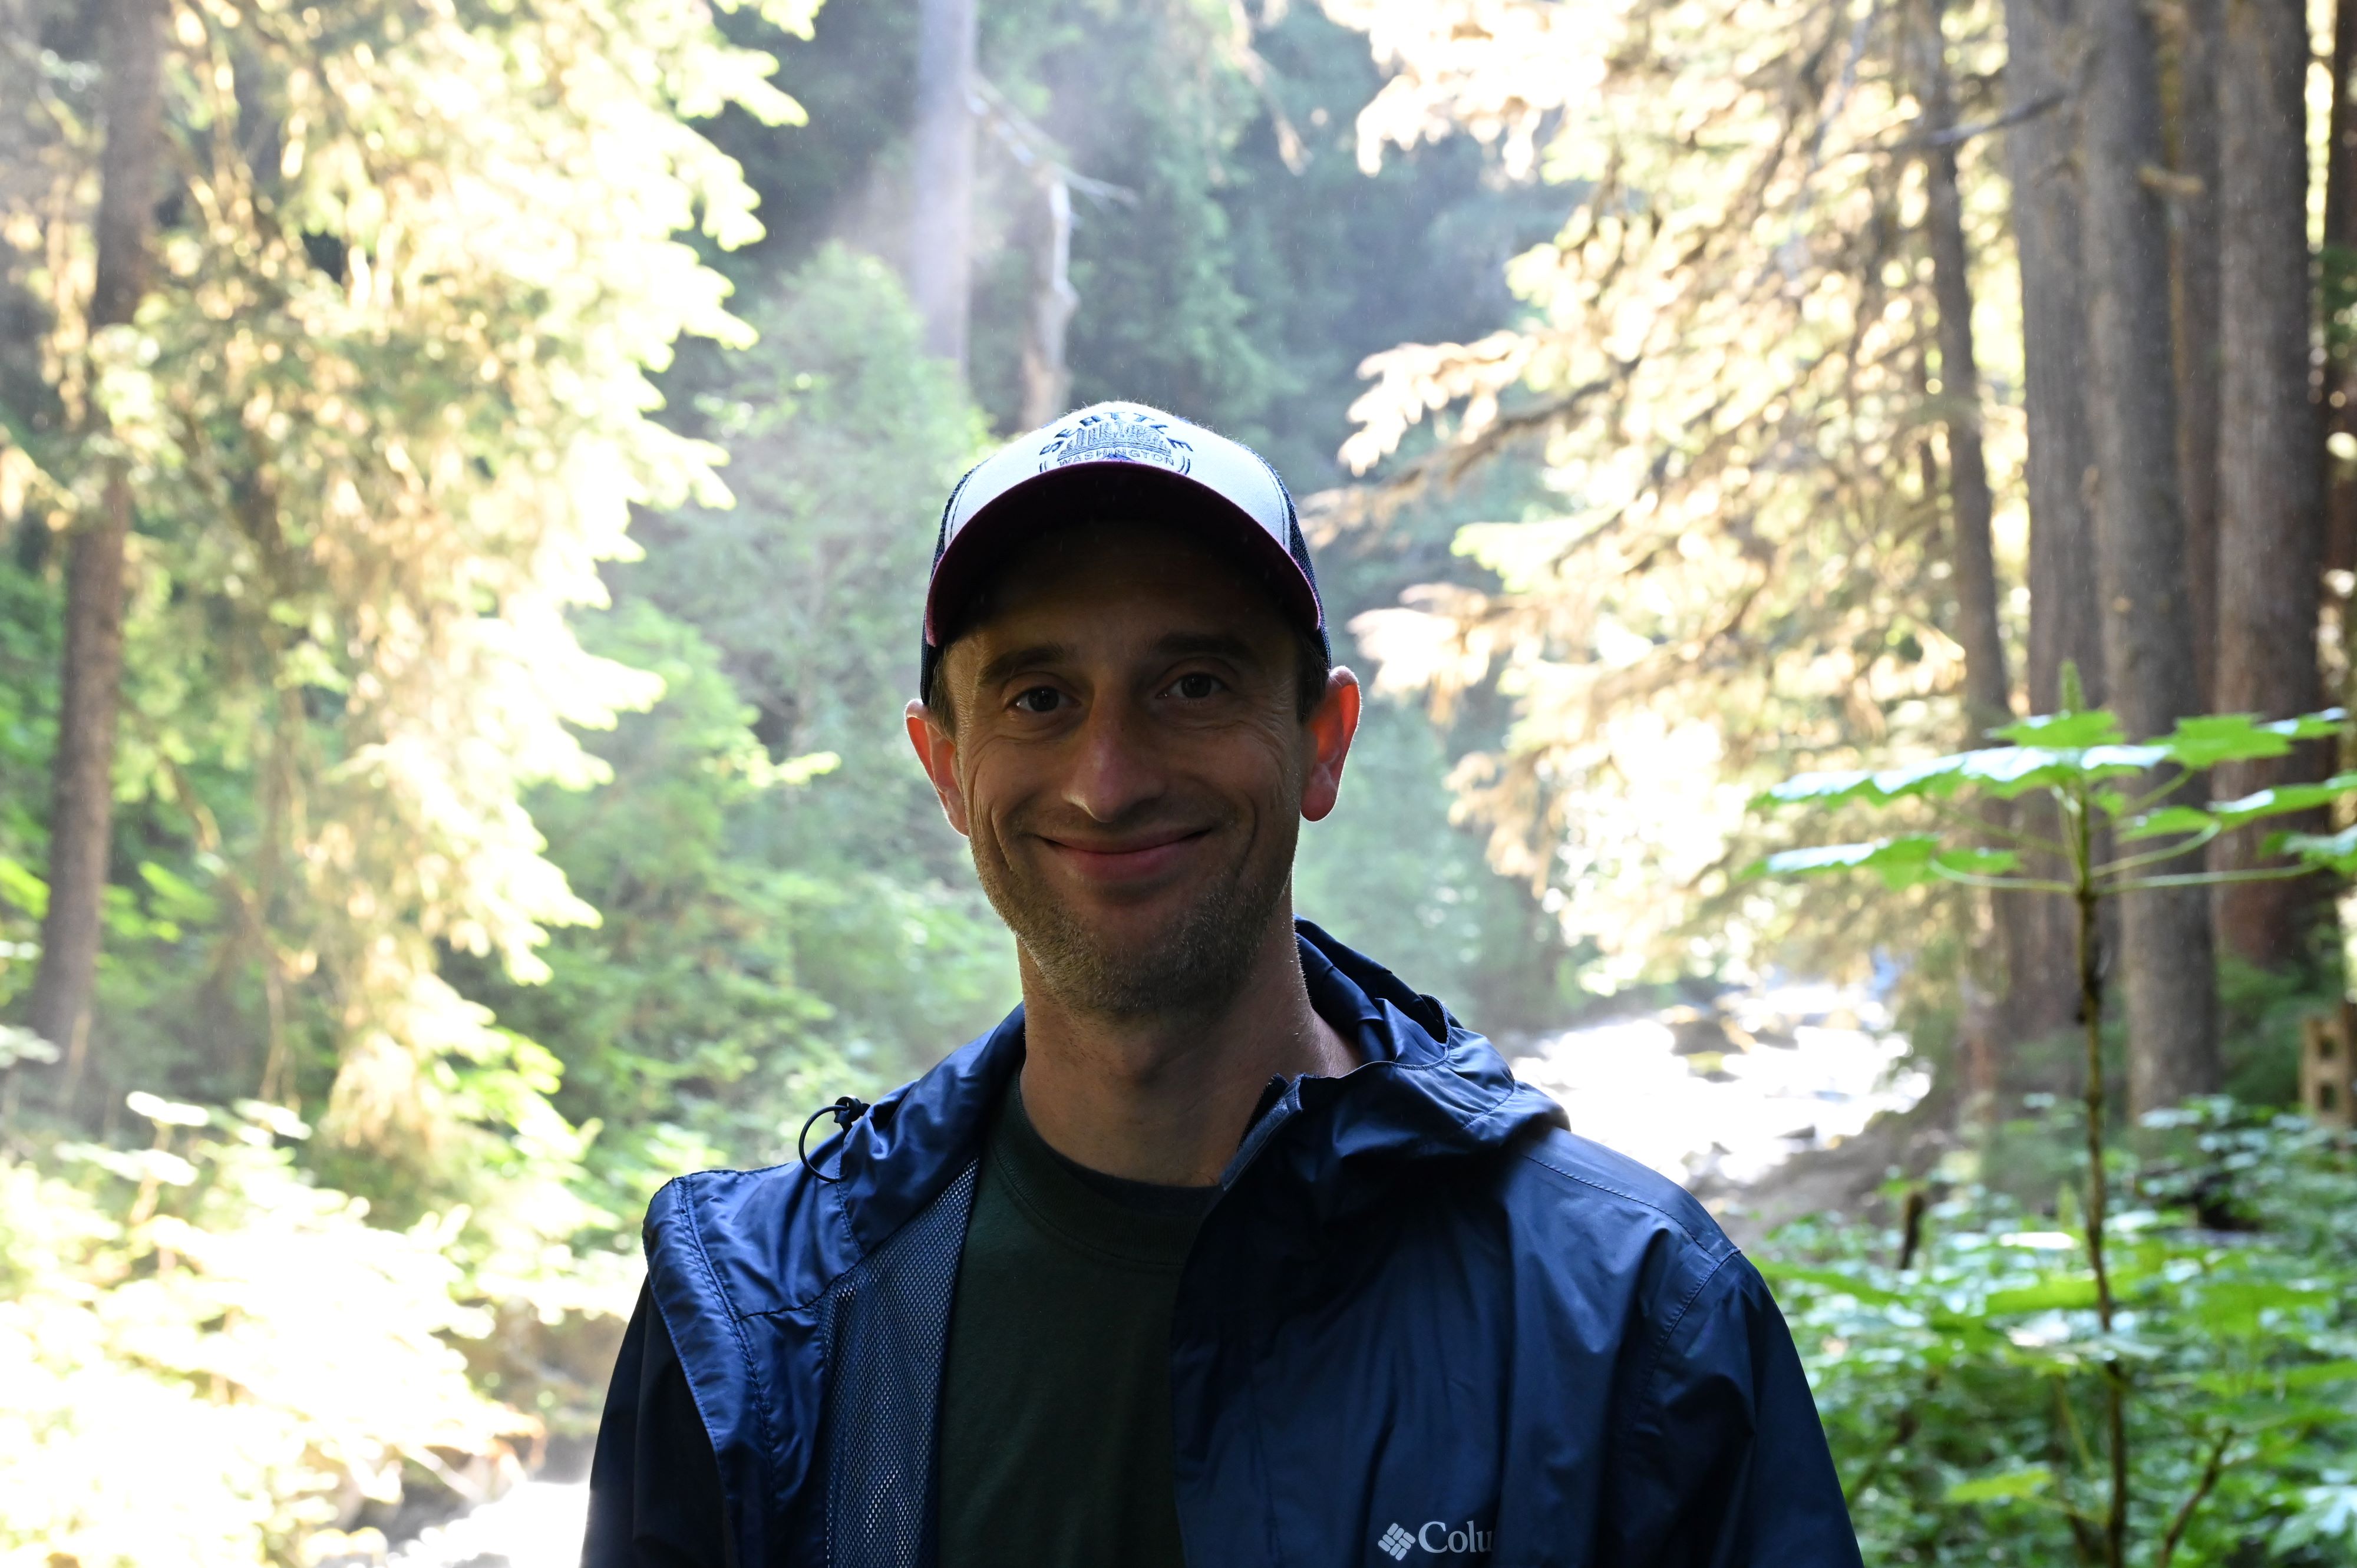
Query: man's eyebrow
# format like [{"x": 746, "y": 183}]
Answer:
[
  {"x": 1177, "y": 645},
  {"x": 1015, "y": 659},
  {"x": 1213, "y": 644}
]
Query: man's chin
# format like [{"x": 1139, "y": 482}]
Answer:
[
  {"x": 1134, "y": 929},
  {"x": 1132, "y": 957}
]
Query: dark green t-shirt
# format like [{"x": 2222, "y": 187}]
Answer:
[{"x": 1056, "y": 1403}]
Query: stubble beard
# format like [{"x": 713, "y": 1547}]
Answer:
[{"x": 1195, "y": 964}]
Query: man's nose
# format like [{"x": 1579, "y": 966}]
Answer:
[{"x": 1116, "y": 766}]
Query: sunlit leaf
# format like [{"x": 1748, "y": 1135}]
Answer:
[
  {"x": 2060, "y": 1292},
  {"x": 2114, "y": 761},
  {"x": 2004, "y": 1486},
  {"x": 1832, "y": 1280},
  {"x": 1900, "y": 861},
  {"x": 1820, "y": 789},
  {"x": 164, "y": 1112},
  {"x": 2167, "y": 822},
  {"x": 2063, "y": 732},
  {"x": 2208, "y": 739},
  {"x": 21, "y": 1045},
  {"x": 2282, "y": 798},
  {"x": 275, "y": 1119},
  {"x": 1976, "y": 862},
  {"x": 2314, "y": 1374},
  {"x": 2334, "y": 852},
  {"x": 22, "y": 887},
  {"x": 2328, "y": 1512},
  {"x": 2005, "y": 772},
  {"x": 159, "y": 1165},
  {"x": 2319, "y": 726}
]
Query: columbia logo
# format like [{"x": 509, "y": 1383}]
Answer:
[{"x": 1438, "y": 1538}]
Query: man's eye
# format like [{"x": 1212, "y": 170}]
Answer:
[
  {"x": 1194, "y": 688},
  {"x": 1039, "y": 699}
]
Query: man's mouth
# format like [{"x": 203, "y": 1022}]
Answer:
[{"x": 1136, "y": 859}]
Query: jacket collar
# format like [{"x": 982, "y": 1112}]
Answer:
[{"x": 1428, "y": 1088}]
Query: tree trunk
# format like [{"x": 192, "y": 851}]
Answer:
[
  {"x": 941, "y": 227},
  {"x": 82, "y": 771},
  {"x": 2140, "y": 527},
  {"x": 2340, "y": 252},
  {"x": 2042, "y": 162},
  {"x": 2195, "y": 237},
  {"x": 1988, "y": 690},
  {"x": 1047, "y": 377},
  {"x": 2270, "y": 558}
]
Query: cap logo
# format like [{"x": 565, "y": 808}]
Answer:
[{"x": 1116, "y": 437}]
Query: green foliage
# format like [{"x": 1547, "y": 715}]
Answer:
[
  {"x": 210, "y": 1360},
  {"x": 785, "y": 917},
  {"x": 1389, "y": 873},
  {"x": 2074, "y": 757},
  {"x": 387, "y": 406},
  {"x": 1962, "y": 1391},
  {"x": 1724, "y": 354},
  {"x": 2179, "y": 1355}
]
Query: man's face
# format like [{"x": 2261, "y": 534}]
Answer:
[{"x": 1129, "y": 761}]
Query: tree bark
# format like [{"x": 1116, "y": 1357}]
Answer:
[
  {"x": 1988, "y": 690},
  {"x": 2270, "y": 558},
  {"x": 941, "y": 227},
  {"x": 2042, "y": 162},
  {"x": 1046, "y": 376},
  {"x": 2140, "y": 527},
  {"x": 2341, "y": 251},
  {"x": 2194, "y": 239},
  {"x": 82, "y": 770}
]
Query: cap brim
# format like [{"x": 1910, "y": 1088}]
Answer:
[{"x": 1114, "y": 491}]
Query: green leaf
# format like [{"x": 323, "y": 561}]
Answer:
[
  {"x": 1976, "y": 862},
  {"x": 2319, "y": 726},
  {"x": 1900, "y": 861},
  {"x": 2207, "y": 739},
  {"x": 2284, "y": 798},
  {"x": 2063, "y": 732},
  {"x": 2062, "y": 1293},
  {"x": 1833, "y": 1280},
  {"x": 2242, "y": 1306},
  {"x": 2167, "y": 822},
  {"x": 2005, "y": 771},
  {"x": 175, "y": 899},
  {"x": 22, "y": 888},
  {"x": 2314, "y": 1374},
  {"x": 1819, "y": 788},
  {"x": 2003, "y": 1486},
  {"x": 2332, "y": 852}
]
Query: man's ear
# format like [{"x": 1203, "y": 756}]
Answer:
[
  {"x": 1331, "y": 724},
  {"x": 937, "y": 755}
]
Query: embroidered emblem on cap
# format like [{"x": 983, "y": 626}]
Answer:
[{"x": 1116, "y": 437}]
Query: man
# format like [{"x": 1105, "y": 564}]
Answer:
[{"x": 1226, "y": 1248}]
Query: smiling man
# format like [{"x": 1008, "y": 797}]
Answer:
[{"x": 1227, "y": 1247}]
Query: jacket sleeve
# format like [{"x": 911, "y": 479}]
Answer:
[
  {"x": 1727, "y": 1467},
  {"x": 654, "y": 1486}
]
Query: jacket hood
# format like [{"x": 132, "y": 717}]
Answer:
[{"x": 1428, "y": 1088}]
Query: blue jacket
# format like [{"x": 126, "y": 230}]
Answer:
[{"x": 1422, "y": 1323}]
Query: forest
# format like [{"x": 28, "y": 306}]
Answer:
[{"x": 1854, "y": 489}]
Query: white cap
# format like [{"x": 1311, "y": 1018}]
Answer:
[{"x": 1141, "y": 458}]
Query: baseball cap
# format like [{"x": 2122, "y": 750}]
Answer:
[{"x": 1125, "y": 460}]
